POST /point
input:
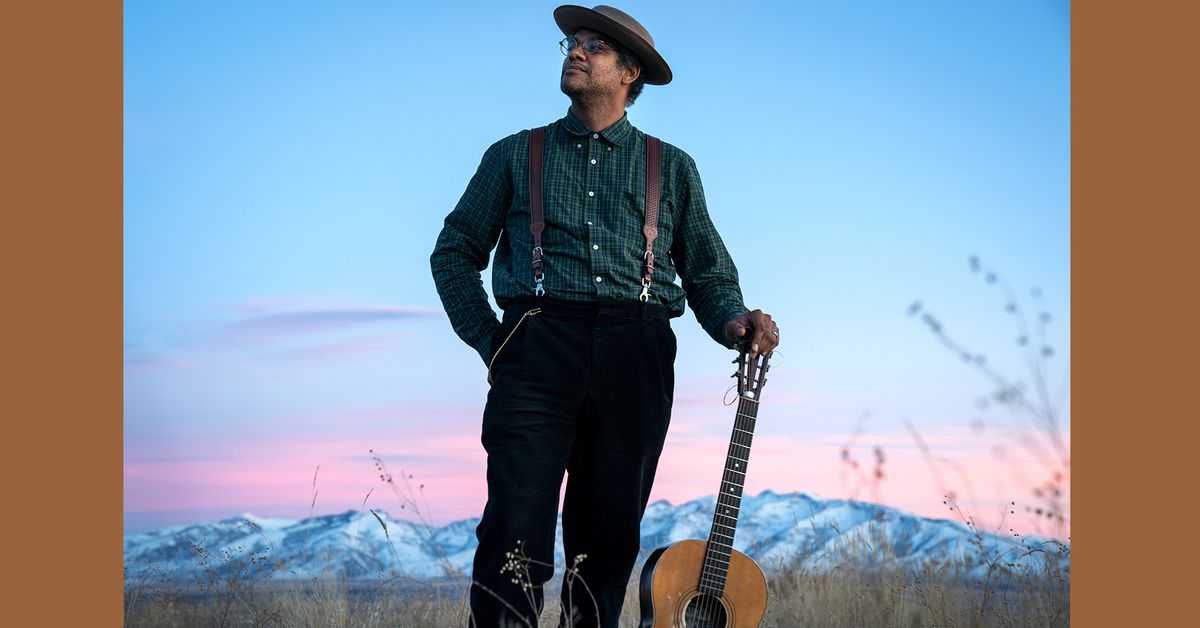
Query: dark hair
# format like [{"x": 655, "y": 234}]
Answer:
[{"x": 626, "y": 59}]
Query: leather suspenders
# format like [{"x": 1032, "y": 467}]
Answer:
[
  {"x": 538, "y": 222},
  {"x": 537, "y": 141},
  {"x": 650, "y": 228}
]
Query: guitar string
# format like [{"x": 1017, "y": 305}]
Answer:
[{"x": 709, "y": 603}]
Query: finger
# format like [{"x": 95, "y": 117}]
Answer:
[
  {"x": 760, "y": 340},
  {"x": 734, "y": 330}
]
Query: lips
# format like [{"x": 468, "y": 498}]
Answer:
[{"x": 574, "y": 67}]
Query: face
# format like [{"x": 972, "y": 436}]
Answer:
[{"x": 593, "y": 75}]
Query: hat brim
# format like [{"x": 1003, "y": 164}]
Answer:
[{"x": 571, "y": 18}]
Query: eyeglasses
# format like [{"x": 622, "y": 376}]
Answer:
[{"x": 591, "y": 45}]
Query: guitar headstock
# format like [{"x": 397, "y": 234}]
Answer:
[{"x": 751, "y": 374}]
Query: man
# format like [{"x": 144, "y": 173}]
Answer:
[{"x": 582, "y": 365}]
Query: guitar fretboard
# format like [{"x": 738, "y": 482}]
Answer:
[{"x": 729, "y": 500}]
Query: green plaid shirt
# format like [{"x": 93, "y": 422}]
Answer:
[{"x": 593, "y": 243}]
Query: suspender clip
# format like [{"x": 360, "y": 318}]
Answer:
[{"x": 645, "y": 295}]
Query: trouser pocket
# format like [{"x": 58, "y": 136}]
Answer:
[{"x": 507, "y": 337}]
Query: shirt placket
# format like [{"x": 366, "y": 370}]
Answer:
[{"x": 592, "y": 203}]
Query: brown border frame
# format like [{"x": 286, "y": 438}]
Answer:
[
  {"x": 1133, "y": 169},
  {"x": 62, "y": 260}
]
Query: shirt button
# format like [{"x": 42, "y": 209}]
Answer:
[
  {"x": 596, "y": 136},
  {"x": 589, "y": 223},
  {"x": 599, "y": 279},
  {"x": 595, "y": 247},
  {"x": 610, "y": 148},
  {"x": 591, "y": 193},
  {"x": 593, "y": 162},
  {"x": 579, "y": 146}
]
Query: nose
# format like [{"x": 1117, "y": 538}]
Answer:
[{"x": 577, "y": 53}]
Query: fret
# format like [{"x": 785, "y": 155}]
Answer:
[
  {"x": 711, "y": 565},
  {"x": 715, "y": 576},
  {"x": 721, "y": 551},
  {"x": 729, "y": 510},
  {"x": 718, "y": 548},
  {"x": 712, "y": 577}
]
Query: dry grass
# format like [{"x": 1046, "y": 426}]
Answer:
[{"x": 234, "y": 590}]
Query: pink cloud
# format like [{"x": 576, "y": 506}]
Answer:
[{"x": 270, "y": 470}]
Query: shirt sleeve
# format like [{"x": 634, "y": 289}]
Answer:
[
  {"x": 467, "y": 238},
  {"x": 706, "y": 271}
]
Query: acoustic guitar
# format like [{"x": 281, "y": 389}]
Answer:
[{"x": 708, "y": 584}]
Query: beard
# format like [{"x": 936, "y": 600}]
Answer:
[{"x": 584, "y": 89}]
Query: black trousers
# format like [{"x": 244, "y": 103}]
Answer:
[{"x": 584, "y": 389}]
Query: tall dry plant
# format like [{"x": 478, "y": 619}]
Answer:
[{"x": 1034, "y": 410}]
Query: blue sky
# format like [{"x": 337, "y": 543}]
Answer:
[{"x": 288, "y": 167}]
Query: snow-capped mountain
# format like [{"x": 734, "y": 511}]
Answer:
[{"x": 775, "y": 529}]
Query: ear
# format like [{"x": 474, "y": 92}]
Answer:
[{"x": 631, "y": 74}]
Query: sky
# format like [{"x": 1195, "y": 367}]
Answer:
[{"x": 869, "y": 165}]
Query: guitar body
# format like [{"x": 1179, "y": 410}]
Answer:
[{"x": 670, "y": 597}]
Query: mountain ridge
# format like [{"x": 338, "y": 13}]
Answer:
[{"x": 778, "y": 530}]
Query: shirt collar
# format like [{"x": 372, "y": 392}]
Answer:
[{"x": 617, "y": 133}]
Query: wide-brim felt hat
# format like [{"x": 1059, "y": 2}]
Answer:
[{"x": 621, "y": 28}]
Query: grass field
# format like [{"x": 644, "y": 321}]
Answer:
[{"x": 237, "y": 591}]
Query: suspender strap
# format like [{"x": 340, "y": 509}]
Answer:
[
  {"x": 650, "y": 228},
  {"x": 536, "y": 152}
]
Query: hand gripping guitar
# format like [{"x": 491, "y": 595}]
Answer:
[{"x": 708, "y": 584}]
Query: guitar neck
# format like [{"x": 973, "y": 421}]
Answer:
[{"x": 729, "y": 499}]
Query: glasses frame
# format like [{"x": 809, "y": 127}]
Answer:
[{"x": 591, "y": 45}]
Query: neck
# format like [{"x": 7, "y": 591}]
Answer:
[{"x": 597, "y": 116}]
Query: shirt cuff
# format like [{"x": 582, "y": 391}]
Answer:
[{"x": 483, "y": 346}]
